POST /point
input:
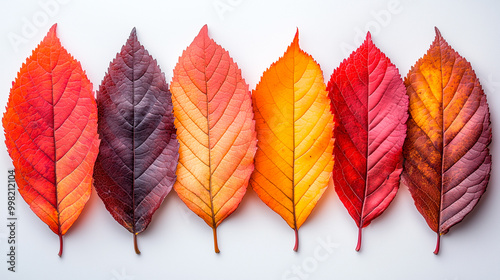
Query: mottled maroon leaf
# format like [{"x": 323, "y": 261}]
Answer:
[{"x": 447, "y": 160}]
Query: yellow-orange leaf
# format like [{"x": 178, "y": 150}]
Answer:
[
  {"x": 215, "y": 129},
  {"x": 294, "y": 160}
]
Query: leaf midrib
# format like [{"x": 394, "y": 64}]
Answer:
[
  {"x": 293, "y": 140},
  {"x": 214, "y": 223},
  {"x": 55, "y": 152},
  {"x": 442, "y": 140},
  {"x": 365, "y": 191},
  {"x": 133, "y": 137}
]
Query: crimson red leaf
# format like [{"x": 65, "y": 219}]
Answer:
[
  {"x": 51, "y": 134},
  {"x": 370, "y": 108},
  {"x": 447, "y": 160},
  {"x": 137, "y": 160}
]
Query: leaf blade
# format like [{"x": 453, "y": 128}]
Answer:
[
  {"x": 448, "y": 136},
  {"x": 370, "y": 107},
  {"x": 294, "y": 129},
  {"x": 51, "y": 134},
  {"x": 135, "y": 168},
  {"x": 214, "y": 118}
]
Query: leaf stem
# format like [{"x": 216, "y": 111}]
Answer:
[
  {"x": 296, "y": 240},
  {"x": 216, "y": 246},
  {"x": 136, "y": 248},
  {"x": 60, "y": 245},
  {"x": 438, "y": 244},
  {"x": 358, "y": 247}
]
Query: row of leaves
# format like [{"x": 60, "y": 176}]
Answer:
[{"x": 220, "y": 137}]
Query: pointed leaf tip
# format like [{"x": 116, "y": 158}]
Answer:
[
  {"x": 203, "y": 34},
  {"x": 132, "y": 38},
  {"x": 296, "y": 38},
  {"x": 53, "y": 28},
  {"x": 438, "y": 33},
  {"x": 368, "y": 36},
  {"x": 52, "y": 31},
  {"x": 204, "y": 30}
]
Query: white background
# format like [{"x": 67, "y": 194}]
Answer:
[{"x": 255, "y": 242}]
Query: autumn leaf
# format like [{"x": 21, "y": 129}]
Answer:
[
  {"x": 216, "y": 131},
  {"x": 370, "y": 105},
  {"x": 447, "y": 160},
  {"x": 51, "y": 134},
  {"x": 135, "y": 169},
  {"x": 294, "y": 161}
]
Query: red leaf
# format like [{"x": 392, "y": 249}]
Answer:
[
  {"x": 137, "y": 159},
  {"x": 51, "y": 134},
  {"x": 370, "y": 108},
  {"x": 447, "y": 160}
]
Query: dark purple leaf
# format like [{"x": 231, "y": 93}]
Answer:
[{"x": 137, "y": 159}]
